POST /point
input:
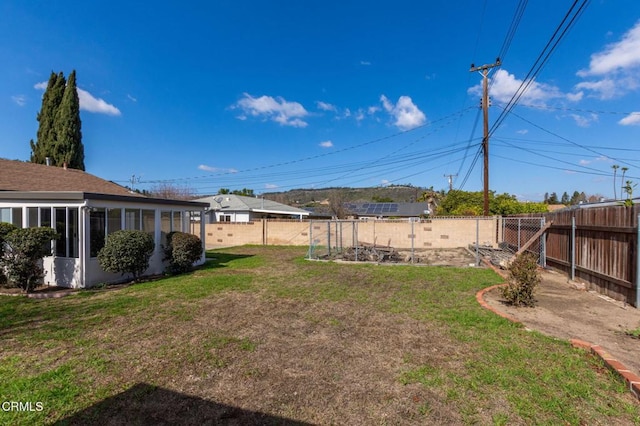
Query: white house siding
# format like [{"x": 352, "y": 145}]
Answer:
[{"x": 95, "y": 275}]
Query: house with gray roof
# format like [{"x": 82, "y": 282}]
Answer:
[
  {"x": 84, "y": 209},
  {"x": 238, "y": 208},
  {"x": 388, "y": 210}
]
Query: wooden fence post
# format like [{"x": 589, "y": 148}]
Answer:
[
  {"x": 573, "y": 248},
  {"x": 638, "y": 264}
]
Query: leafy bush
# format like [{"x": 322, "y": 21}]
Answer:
[
  {"x": 182, "y": 251},
  {"x": 5, "y": 228},
  {"x": 523, "y": 279},
  {"x": 127, "y": 251},
  {"x": 23, "y": 249}
]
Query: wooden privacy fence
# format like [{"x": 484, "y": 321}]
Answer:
[{"x": 597, "y": 245}]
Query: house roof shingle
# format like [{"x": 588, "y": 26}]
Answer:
[{"x": 23, "y": 176}]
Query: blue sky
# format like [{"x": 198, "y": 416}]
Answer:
[{"x": 307, "y": 94}]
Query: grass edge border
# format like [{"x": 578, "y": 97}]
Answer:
[{"x": 631, "y": 379}]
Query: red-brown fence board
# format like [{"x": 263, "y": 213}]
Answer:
[{"x": 606, "y": 243}]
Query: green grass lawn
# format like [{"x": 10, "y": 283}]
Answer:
[{"x": 259, "y": 334}]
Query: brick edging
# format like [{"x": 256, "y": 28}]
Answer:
[{"x": 632, "y": 380}]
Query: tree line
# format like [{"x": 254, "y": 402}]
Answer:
[{"x": 574, "y": 199}]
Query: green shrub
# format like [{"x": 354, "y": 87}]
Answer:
[
  {"x": 5, "y": 228},
  {"x": 24, "y": 248},
  {"x": 524, "y": 277},
  {"x": 182, "y": 251},
  {"x": 127, "y": 251}
]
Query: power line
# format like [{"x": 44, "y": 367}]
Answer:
[
  {"x": 569, "y": 141},
  {"x": 565, "y": 25},
  {"x": 313, "y": 157},
  {"x": 515, "y": 22},
  {"x": 547, "y": 107}
]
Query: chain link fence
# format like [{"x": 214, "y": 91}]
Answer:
[
  {"x": 522, "y": 234},
  {"x": 410, "y": 241}
]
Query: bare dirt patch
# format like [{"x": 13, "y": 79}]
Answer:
[
  {"x": 324, "y": 362},
  {"x": 565, "y": 312}
]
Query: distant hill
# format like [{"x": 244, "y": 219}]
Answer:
[{"x": 310, "y": 197}]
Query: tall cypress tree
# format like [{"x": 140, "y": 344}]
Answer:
[
  {"x": 43, "y": 147},
  {"x": 59, "y": 132},
  {"x": 68, "y": 147}
]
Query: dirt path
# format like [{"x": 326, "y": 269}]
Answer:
[{"x": 564, "y": 312}]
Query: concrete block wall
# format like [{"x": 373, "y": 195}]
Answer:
[
  {"x": 288, "y": 233},
  {"x": 224, "y": 234},
  {"x": 433, "y": 233}
]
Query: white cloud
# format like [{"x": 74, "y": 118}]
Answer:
[
  {"x": 97, "y": 105},
  {"x": 505, "y": 85},
  {"x": 575, "y": 97},
  {"x": 372, "y": 110},
  {"x": 584, "y": 121},
  {"x": 326, "y": 144},
  {"x": 326, "y": 106},
  {"x": 384, "y": 182},
  {"x": 347, "y": 113},
  {"x": 522, "y": 132},
  {"x": 367, "y": 63},
  {"x": 622, "y": 55},
  {"x": 604, "y": 158},
  {"x": 131, "y": 98},
  {"x": 360, "y": 115},
  {"x": 275, "y": 109},
  {"x": 615, "y": 68},
  {"x": 405, "y": 113},
  {"x": 270, "y": 186},
  {"x": 632, "y": 119},
  {"x": 20, "y": 100},
  {"x": 212, "y": 169},
  {"x": 584, "y": 162},
  {"x": 88, "y": 102}
]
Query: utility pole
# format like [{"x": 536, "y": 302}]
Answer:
[
  {"x": 451, "y": 180},
  {"x": 484, "y": 69}
]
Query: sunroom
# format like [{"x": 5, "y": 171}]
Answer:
[{"x": 83, "y": 220}]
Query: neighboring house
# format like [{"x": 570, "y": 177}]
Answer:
[
  {"x": 84, "y": 209},
  {"x": 388, "y": 210},
  {"x": 238, "y": 208}
]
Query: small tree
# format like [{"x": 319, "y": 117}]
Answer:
[
  {"x": 182, "y": 251},
  {"x": 127, "y": 251},
  {"x": 24, "y": 248},
  {"x": 523, "y": 279}
]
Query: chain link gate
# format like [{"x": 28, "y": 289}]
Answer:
[
  {"x": 524, "y": 234},
  {"x": 330, "y": 237}
]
